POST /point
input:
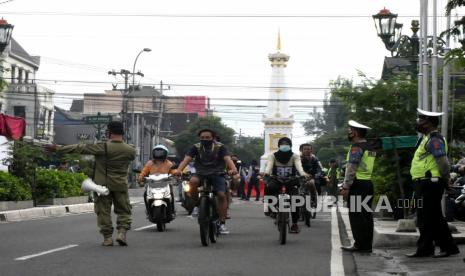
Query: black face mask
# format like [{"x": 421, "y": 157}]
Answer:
[
  {"x": 349, "y": 137},
  {"x": 206, "y": 143}
]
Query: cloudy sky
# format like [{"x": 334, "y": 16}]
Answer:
[{"x": 213, "y": 48}]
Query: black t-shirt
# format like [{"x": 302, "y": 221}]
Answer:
[
  {"x": 311, "y": 165},
  {"x": 209, "y": 161}
]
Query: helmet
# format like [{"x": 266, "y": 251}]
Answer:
[{"x": 160, "y": 152}]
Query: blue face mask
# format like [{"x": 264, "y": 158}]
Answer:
[{"x": 284, "y": 148}]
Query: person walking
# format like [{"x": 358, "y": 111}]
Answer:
[
  {"x": 358, "y": 186},
  {"x": 111, "y": 167},
  {"x": 430, "y": 174},
  {"x": 253, "y": 180}
]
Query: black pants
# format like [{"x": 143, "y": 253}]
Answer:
[
  {"x": 241, "y": 190},
  {"x": 256, "y": 186},
  {"x": 273, "y": 189},
  {"x": 361, "y": 220},
  {"x": 434, "y": 230}
]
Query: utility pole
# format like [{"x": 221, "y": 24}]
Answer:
[
  {"x": 124, "y": 116},
  {"x": 445, "y": 88},
  {"x": 160, "y": 113}
]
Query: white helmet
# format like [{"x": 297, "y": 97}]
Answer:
[{"x": 160, "y": 152}]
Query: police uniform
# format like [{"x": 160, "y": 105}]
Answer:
[
  {"x": 112, "y": 161},
  {"x": 360, "y": 162},
  {"x": 429, "y": 187}
]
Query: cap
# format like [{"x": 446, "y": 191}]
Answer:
[
  {"x": 429, "y": 113},
  {"x": 354, "y": 124}
]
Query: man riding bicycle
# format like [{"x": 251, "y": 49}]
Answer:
[
  {"x": 210, "y": 159},
  {"x": 285, "y": 163},
  {"x": 311, "y": 166}
]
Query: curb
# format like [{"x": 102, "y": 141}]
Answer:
[
  {"x": 48, "y": 212},
  {"x": 388, "y": 238}
]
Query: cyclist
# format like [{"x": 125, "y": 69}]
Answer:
[
  {"x": 312, "y": 167},
  {"x": 210, "y": 159},
  {"x": 158, "y": 165},
  {"x": 285, "y": 163}
]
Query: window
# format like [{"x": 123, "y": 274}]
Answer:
[
  {"x": 26, "y": 77},
  {"x": 20, "y": 111},
  {"x": 13, "y": 74},
  {"x": 20, "y": 75}
]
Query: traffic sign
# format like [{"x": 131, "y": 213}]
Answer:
[{"x": 98, "y": 120}]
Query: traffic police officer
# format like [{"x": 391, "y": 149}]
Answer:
[
  {"x": 358, "y": 186},
  {"x": 430, "y": 173},
  {"x": 112, "y": 159}
]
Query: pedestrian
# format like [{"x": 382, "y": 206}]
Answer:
[
  {"x": 333, "y": 178},
  {"x": 240, "y": 185},
  {"x": 253, "y": 180},
  {"x": 430, "y": 174},
  {"x": 358, "y": 186},
  {"x": 112, "y": 159}
]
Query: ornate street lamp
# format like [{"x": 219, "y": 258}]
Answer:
[
  {"x": 5, "y": 34},
  {"x": 460, "y": 24},
  {"x": 390, "y": 33}
]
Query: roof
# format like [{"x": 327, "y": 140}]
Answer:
[
  {"x": 70, "y": 115},
  {"x": 144, "y": 91},
  {"x": 18, "y": 51},
  {"x": 77, "y": 106}
]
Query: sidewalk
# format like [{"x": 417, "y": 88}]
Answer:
[
  {"x": 135, "y": 196},
  {"x": 390, "y": 247}
]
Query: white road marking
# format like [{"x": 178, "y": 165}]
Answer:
[
  {"x": 336, "y": 264},
  {"x": 46, "y": 252},
  {"x": 145, "y": 227}
]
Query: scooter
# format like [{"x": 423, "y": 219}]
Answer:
[
  {"x": 186, "y": 197},
  {"x": 159, "y": 199}
]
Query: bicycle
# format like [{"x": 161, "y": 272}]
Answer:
[
  {"x": 283, "y": 217},
  {"x": 208, "y": 216}
]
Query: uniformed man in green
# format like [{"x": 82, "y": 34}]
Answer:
[
  {"x": 430, "y": 173},
  {"x": 112, "y": 159},
  {"x": 358, "y": 186}
]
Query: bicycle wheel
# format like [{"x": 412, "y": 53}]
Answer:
[
  {"x": 282, "y": 227},
  {"x": 213, "y": 229},
  {"x": 204, "y": 221}
]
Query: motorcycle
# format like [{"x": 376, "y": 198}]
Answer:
[
  {"x": 186, "y": 197},
  {"x": 159, "y": 199}
]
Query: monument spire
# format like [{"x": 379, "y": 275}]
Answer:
[{"x": 279, "y": 41}]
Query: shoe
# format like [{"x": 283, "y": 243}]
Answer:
[
  {"x": 228, "y": 216},
  {"x": 419, "y": 255},
  {"x": 444, "y": 254},
  {"x": 107, "y": 241},
  {"x": 355, "y": 249},
  {"x": 195, "y": 212},
  {"x": 223, "y": 230},
  {"x": 257, "y": 199},
  {"x": 121, "y": 237},
  {"x": 295, "y": 228}
]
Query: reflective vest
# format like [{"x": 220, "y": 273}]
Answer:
[
  {"x": 365, "y": 167},
  {"x": 423, "y": 161}
]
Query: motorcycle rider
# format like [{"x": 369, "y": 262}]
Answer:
[
  {"x": 285, "y": 163},
  {"x": 158, "y": 165},
  {"x": 311, "y": 166},
  {"x": 210, "y": 159}
]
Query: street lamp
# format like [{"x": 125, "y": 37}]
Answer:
[
  {"x": 5, "y": 34},
  {"x": 132, "y": 92},
  {"x": 390, "y": 33},
  {"x": 461, "y": 29}
]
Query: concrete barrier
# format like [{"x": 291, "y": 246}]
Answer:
[{"x": 55, "y": 211}]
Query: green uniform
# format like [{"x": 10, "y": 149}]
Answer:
[{"x": 112, "y": 161}]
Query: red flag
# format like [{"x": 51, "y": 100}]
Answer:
[{"x": 12, "y": 127}]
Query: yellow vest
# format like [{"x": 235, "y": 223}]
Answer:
[
  {"x": 365, "y": 168},
  {"x": 423, "y": 161}
]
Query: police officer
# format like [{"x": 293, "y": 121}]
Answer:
[
  {"x": 112, "y": 159},
  {"x": 357, "y": 186},
  {"x": 430, "y": 174}
]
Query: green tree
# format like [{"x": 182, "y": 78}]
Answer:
[
  {"x": 184, "y": 141},
  {"x": 248, "y": 149}
]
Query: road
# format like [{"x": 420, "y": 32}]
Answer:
[{"x": 70, "y": 245}]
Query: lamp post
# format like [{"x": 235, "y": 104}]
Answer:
[
  {"x": 5, "y": 38},
  {"x": 133, "y": 98}
]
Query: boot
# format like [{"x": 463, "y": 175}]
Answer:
[
  {"x": 108, "y": 241},
  {"x": 121, "y": 237}
]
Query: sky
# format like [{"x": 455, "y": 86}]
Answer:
[{"x": 213, "y": 48}]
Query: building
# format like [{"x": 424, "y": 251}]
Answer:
[
  {"x": 22, "y": 96},
  {"x": 278, "y": 119}
]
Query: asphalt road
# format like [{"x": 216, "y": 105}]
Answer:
[{"x": 252, "y": 248}]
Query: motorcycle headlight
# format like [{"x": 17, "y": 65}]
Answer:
[{"x": 187, "y": 188}]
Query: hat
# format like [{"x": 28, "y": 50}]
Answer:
[
  {"x": 161, "y": 147},
  {"x": 429, "y": 113},
  {"x": 354, "y": 124}
]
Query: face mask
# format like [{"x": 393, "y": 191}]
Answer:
[
  {"x": 206, "y": 143},
  {"x": 284, "y": 148},
  {"x": 350, "y": 136},
  {"x": 420, "y": 127}
]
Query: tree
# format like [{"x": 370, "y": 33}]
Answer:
[
  {"x": 334, "y": 112},
  {"x": 184, "y": 141},
  {"x": 248, "y": 149}
]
